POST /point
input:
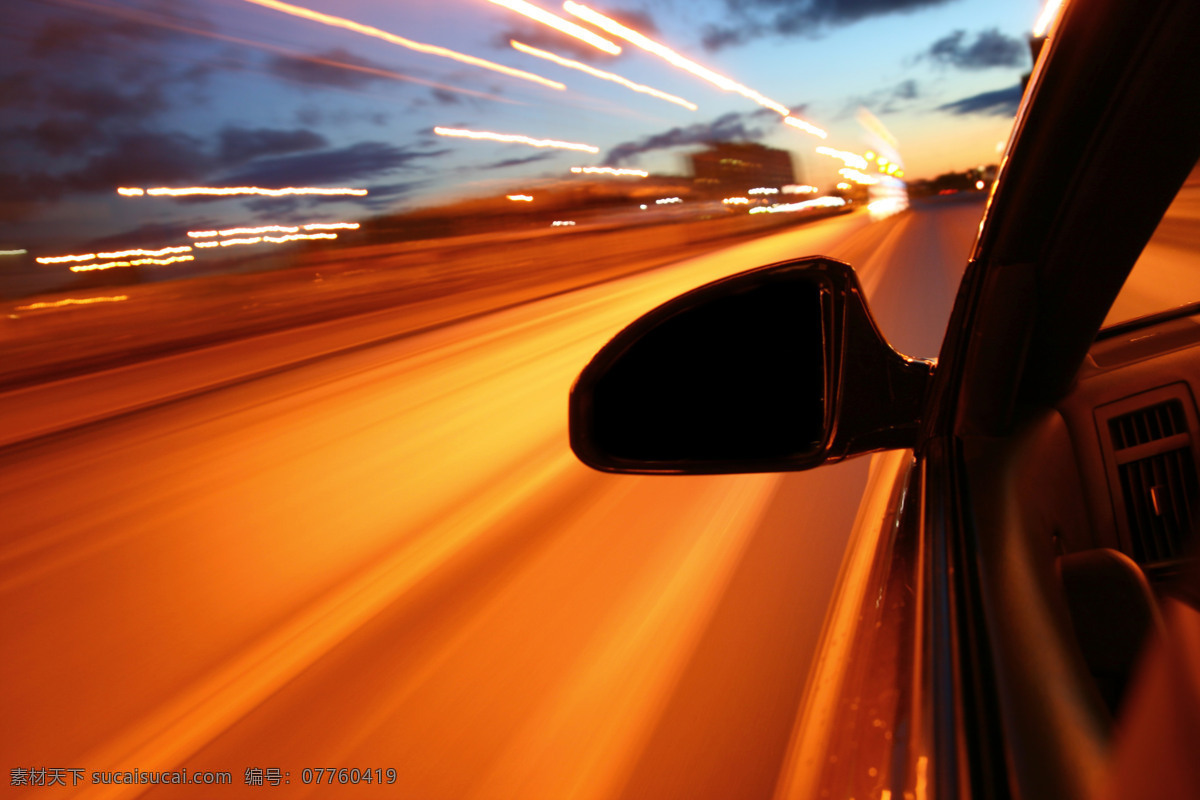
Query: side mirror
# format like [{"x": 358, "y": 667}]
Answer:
[{"x": 780, "y": 368}]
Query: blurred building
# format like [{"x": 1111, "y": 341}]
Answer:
[{"x": 734, "y": 168}]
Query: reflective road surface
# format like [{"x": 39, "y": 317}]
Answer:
[{"x": 388, "y": 559}]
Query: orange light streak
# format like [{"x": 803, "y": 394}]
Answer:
[
  {"x": 515, "y": 138},
  {"x": 239, "y": 231},
  {"x": 391, "y": 38},
  {"x": 520, "y": 198},
  {"x": 71, "y": 301},
  {"x": 559, "y": 24},
  {"x": 231, "y": 191},
  {"x": 599, "y": 73},
  {"x": 291, "y": 237},
  {"x": 1046, "y": 18},
  {"x": 670, "y": 56},
  {"x": 637, "y": 173},
  {"x": 118, "y": 254},
  {"x": 134, "y": 263}
]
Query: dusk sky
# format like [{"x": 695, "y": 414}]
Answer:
[{"x": 97, "y": 94}]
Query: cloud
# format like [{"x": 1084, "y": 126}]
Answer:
[
  {"x": 888, "y": 100},
  {"x": 346, "y": 164},
  {"x": 516, "y": 162},
  {"x": 144, "y": 159},
  {"x": 239, "y": 145},
  {"x": 337, "y": 68},
  {"x": 762, "y": 18},
  {"x": 991, "y": 48},
  {"x": 998, "y": 103},
  {"x": 726, "y": 128}
]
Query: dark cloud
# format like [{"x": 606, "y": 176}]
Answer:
[
  {"x": 991, "y": 48},
  {"x": 338, "y": 68},
  {"x": 999, "y": 103},
  {"x": 358, "y": 161},
  {"x": 144, "y": 159},
  {"x": 757, "y": 19},
  {"x": 516, "y": 162},
  {"x": 730, "y": 127},
  {"x": 445, "y": 98},
  {"x": 383, "y": 197},
  {"x": 239, "y": 145}
]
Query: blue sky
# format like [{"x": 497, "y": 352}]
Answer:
[{"x": 100, "y": 93}]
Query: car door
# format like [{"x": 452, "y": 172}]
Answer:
[{"x": 991, "y": 696}]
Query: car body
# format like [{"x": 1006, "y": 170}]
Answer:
[{"x": 1007, "y": 568}]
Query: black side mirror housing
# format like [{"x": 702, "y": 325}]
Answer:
[{"x": 779, "y": 368}]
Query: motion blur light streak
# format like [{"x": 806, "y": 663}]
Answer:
[
  {"x": 668, "y": 201},
  {"x": 857, "y": 177},
  {"x": 515, "y": 139},
  {"x": 559, "y": 24},
  {"x": 670, "y": 56},
  {"x": 291, "y": 237},
  {"x": 850, "y": 159},
  {"x": 13, "y": 252},
  {"x": 816, "y": 202},
  {"x": 233, "y": 191},
  {"x": 71, "y": 301},
  {"x": 331, "y": 226},
  {"x": 808, "y": 127},
  {"x": 736, "y": 201},
  {"x": 135, "y": 263},
  {"x": 312, "y": 226},
  {"x": 620, "y": 171},
  {"x": 240, "y": 231},
  {"x": 1047, "y": 18},
  {"x": 599, "y": 73},
  {"x": 763, "y": 190},
  {"x": 520, "y": 198},
  {"x": 391, "y": 38},
  {"x": 118, "y": 254}
]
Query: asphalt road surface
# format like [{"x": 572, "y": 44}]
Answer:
[{"x": 388, "y": 559}]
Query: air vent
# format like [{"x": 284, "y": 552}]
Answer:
[{"x": 1157, "y": 474}]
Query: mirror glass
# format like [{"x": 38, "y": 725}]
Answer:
[{"x": 734, "y": 372}]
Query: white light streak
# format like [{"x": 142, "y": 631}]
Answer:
[
  {"x": 848, "y": 158},
  {"x": 603, "y": 75},
  {"x": 391, "y": 38},
  {"x": 515, "y": 139},
  {"x": 1046, "y": 18},
  {"x": 619, "y": 171},
  {"x": 807, "y": 127},
  {"x": 232, "y": 191},
  {"x": 559, "y": 24}
]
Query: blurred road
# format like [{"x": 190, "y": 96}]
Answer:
[{"x": 389, "y": 559}]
